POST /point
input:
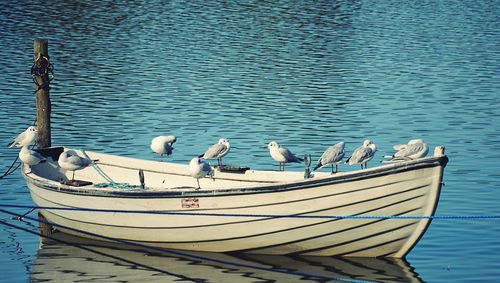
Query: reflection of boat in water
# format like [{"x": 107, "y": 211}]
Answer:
[{"x": 84, "y": 260}]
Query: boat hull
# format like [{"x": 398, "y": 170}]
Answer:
[{"x": 305, "y": 218}]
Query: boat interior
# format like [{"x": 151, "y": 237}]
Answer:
[{"x": 156, "y": 174}]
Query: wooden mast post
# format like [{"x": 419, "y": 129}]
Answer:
[{"x": 40, "y": 72}]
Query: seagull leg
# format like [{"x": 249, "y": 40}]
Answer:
[
  {"x": 332, "y": 168},
  {"x": 198, "y": 181},
  {"x": 336, "y": 167},
  {"x": 73, "y": 177}
]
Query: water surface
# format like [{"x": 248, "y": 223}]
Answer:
[{"x": 307, "y": 74}]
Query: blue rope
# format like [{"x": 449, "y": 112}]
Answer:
[
  {"x": 180, "y": 253},
  {"x": 110, "y": 183},
  {"x": 116, "y": 185},
  {"x": 98, "y": 169},
  {"x": 439, "y": 217}
]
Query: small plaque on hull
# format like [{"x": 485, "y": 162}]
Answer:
[{"x": 190, "y": 203}]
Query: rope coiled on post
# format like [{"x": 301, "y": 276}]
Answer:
[{"x": 42, "y": 68}]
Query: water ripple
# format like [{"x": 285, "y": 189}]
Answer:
[{"x": 306, "y": 74}]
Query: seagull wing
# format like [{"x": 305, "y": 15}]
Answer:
[
  {"x": 360, "y": 155},
  {"x": 78, "y": 161},
  {"x": 399, "y": 146},
  {"x": 18, "y": 139},
  {"x": 410, "y": 150},
  {"x": 215, "y": 151},
  {"x": 288, "y": 155},
  {"x": 334, "y": 154}
]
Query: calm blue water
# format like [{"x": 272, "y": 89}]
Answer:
[{"x": 304, "y": 73}]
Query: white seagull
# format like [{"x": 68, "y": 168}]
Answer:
[
  {"x": 217, "y": 151},
  {"x": 413, "y": 150},
  {"x": 199, "y": 169},
  {"x": 26, "y": 138},
  {"x": 162, "y": 145},
  {"x": 30, "y": 157},
  {"x": 71, "y": 162},
  {"x": 282, "y": 155},
  {"x": 332, "y": 155},
  {"x": 363, "y": 154}
]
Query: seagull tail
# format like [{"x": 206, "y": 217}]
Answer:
[
  {"x": 317, "y": 166},
  {"x": 11, "y": 144},
  {"x": 347, "y": 160},
  {"x": 201, "y": 155},
  {"x": 389, "y": 156}
]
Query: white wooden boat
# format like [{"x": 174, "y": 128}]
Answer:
[{"x": 263, "y": 212}]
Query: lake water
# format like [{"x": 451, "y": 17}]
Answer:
[{"x": 304, "y": 73}]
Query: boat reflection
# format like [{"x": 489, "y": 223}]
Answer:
[{"x": 65, "y": 258}]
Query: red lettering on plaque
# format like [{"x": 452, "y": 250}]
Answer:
[{"x": 190, "y": 203}]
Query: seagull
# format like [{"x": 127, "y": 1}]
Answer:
[
  {"x": 30, "y": 157},
  {"x": 363, "y": 154},
  {"x": 72, "y": 162},
  {"x": 332, "y": 155},
  {"x": 199, "y": 169},
  {"x": 162, "y": 145},
  {"x": 217, "y": 151},
  {"x": 26, "y": 138},
  {"x": 413, "y": 150},
  {"x": 282, "y": 155}
]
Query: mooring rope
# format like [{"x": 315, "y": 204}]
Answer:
[
  {"x": 433, "y": 217},
  {"x": 98, "y": 169},
  {"x": 90, "y": 249},
  {"x": 9, "y": 171},
  {"x": 110, "y": 183},
  {"x": 42, "y": 68},
  {"x": 184, "y": 254}
]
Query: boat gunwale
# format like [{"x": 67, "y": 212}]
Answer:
[{"x": 373, "y": 172}]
